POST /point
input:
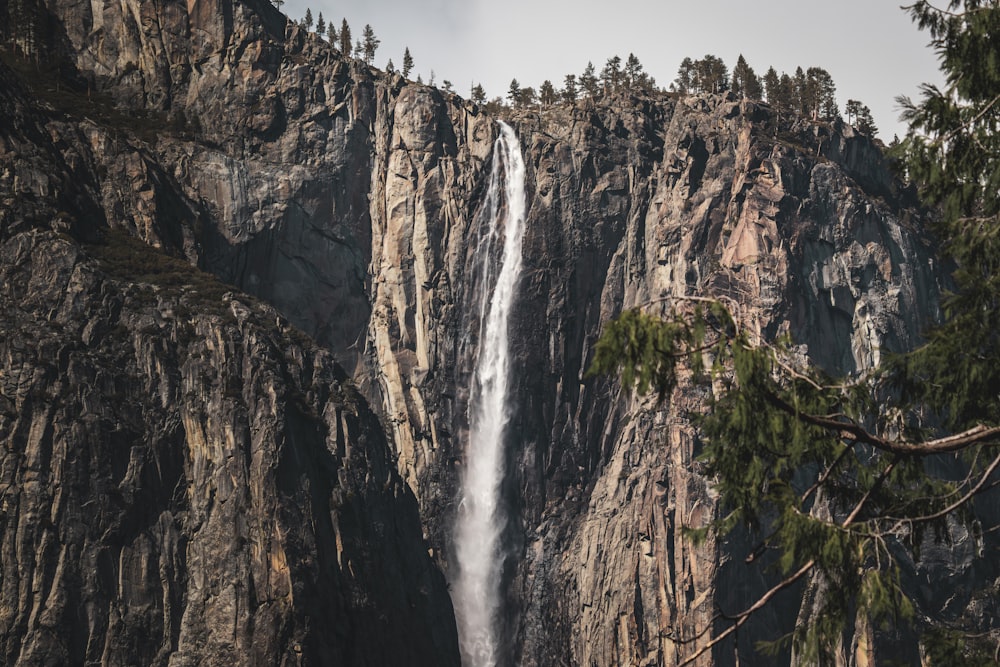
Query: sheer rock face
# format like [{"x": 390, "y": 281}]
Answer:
[
  {"x": 198, "y": 488},
  {"x": 344, "y": 198}
]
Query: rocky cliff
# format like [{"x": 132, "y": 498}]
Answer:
[
  {"x": 343, "y": 198},
  {"x": 186, "y": 478}
]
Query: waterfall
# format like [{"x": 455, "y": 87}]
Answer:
[{"x": 481, "y": 517}]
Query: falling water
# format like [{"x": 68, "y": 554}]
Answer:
[{"x": 481, "y": 516}]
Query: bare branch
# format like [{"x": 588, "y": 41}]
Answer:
[
  {"x": 744, "y": 615},
  {"x": 868, "y": 494}
]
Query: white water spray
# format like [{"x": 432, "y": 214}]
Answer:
[{"x": 481, "y": 518}]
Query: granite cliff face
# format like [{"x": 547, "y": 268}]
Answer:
[
  {"x": 186, "y": 478},
  {"x": 344, "y": 198}
]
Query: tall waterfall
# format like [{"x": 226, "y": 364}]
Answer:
[{"x": 481, "y": 517}]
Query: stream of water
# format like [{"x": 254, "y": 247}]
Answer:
[{"x": 476, "y": 592}]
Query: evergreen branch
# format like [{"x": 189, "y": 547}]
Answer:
[
  {"x": 800, "y": 376},
  {"x": 978, "y": 434},
  {"x": 868, "y": 494},
  {"x": 742, "y": 617},
  {"x": 978, "y": 488},
  {"x": 762, "y": 545},
  {"x": 946, "y": 12},
  {"x": 944, "y": 138},
  {"x": 826, "y": 474}
]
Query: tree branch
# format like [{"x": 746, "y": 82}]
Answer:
[
  {"x": 979, "y": 434},
  {"x": 961, "y": 501},
  {"x": 744, "y": 615}
]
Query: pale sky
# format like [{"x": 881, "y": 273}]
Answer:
[{"x": 870, "y": 47}]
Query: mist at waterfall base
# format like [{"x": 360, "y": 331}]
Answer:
[{"x": 481, "y": 517}]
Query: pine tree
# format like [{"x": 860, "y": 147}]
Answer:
[
  {"x": 772, "y": 86},
  {"x": 547, "y": 93},
  {"x": 478, "y": 94},
  {"x": 370, "y": 44},
  {"x": 745, "y": 80},
  {"x": 799, "y": 93},
  {"x": 878, "y": 452},
  {"x": 528, "y": 97},
  {"x": 320, "y": 25},
  {"x": 588, "y": 81},
  {"x": 345, "y": 38},
  {"x": 611, "y": 75},
  {"x": 28, "y": 27},
  {"x": 860, "y": 116},
  {"x": 569, "y": 89},
  {"x": 707, "y": 75},
  {"x": 514, "y": 92},
  {"x": 407, "y": 63},
  {"x": 818, "y": 94},
  {"x": 851, "y": 110},
  {"x": 685, "y": 76},
  {"x": 633, "y": 72},
  {"x": 865, "y": 122},
  {"x": 389, "y": 67},
  {"x": 786, "y": 101},
  {"x": 307, "y": 22}
]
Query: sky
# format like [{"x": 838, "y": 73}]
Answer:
[{"x": 870, "y": 47}]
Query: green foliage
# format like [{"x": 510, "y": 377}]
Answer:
[
  {"x": 478, "y": 94},
  {"x": 861, "y": 117},
  {"x": 514, "y": 92},
  {"x": 126, "y": 258},
  {"x": 945, "y": 647},
  {"x": 646, "y": 349},
  {"x": 407, "y": 63},
  {"x": 345, "y": 39},
  {"x": 547, "y": 93},
  {"x": 745, "y": 81},
  {"x": 370, "y": 44},
  {"x": 953, "y": 153},
  {"x": 705, "y": 75},
  {"x": 611, "y": 75},
  {"x": 569, "y": 91},
  {"x": 588, "y": 80}
]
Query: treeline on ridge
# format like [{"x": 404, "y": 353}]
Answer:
[{"x": 810, "y": 92}]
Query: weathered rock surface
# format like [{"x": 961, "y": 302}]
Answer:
[
  {"x": 345, "y": 198},
  {"x": 185, "y": 479}
]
